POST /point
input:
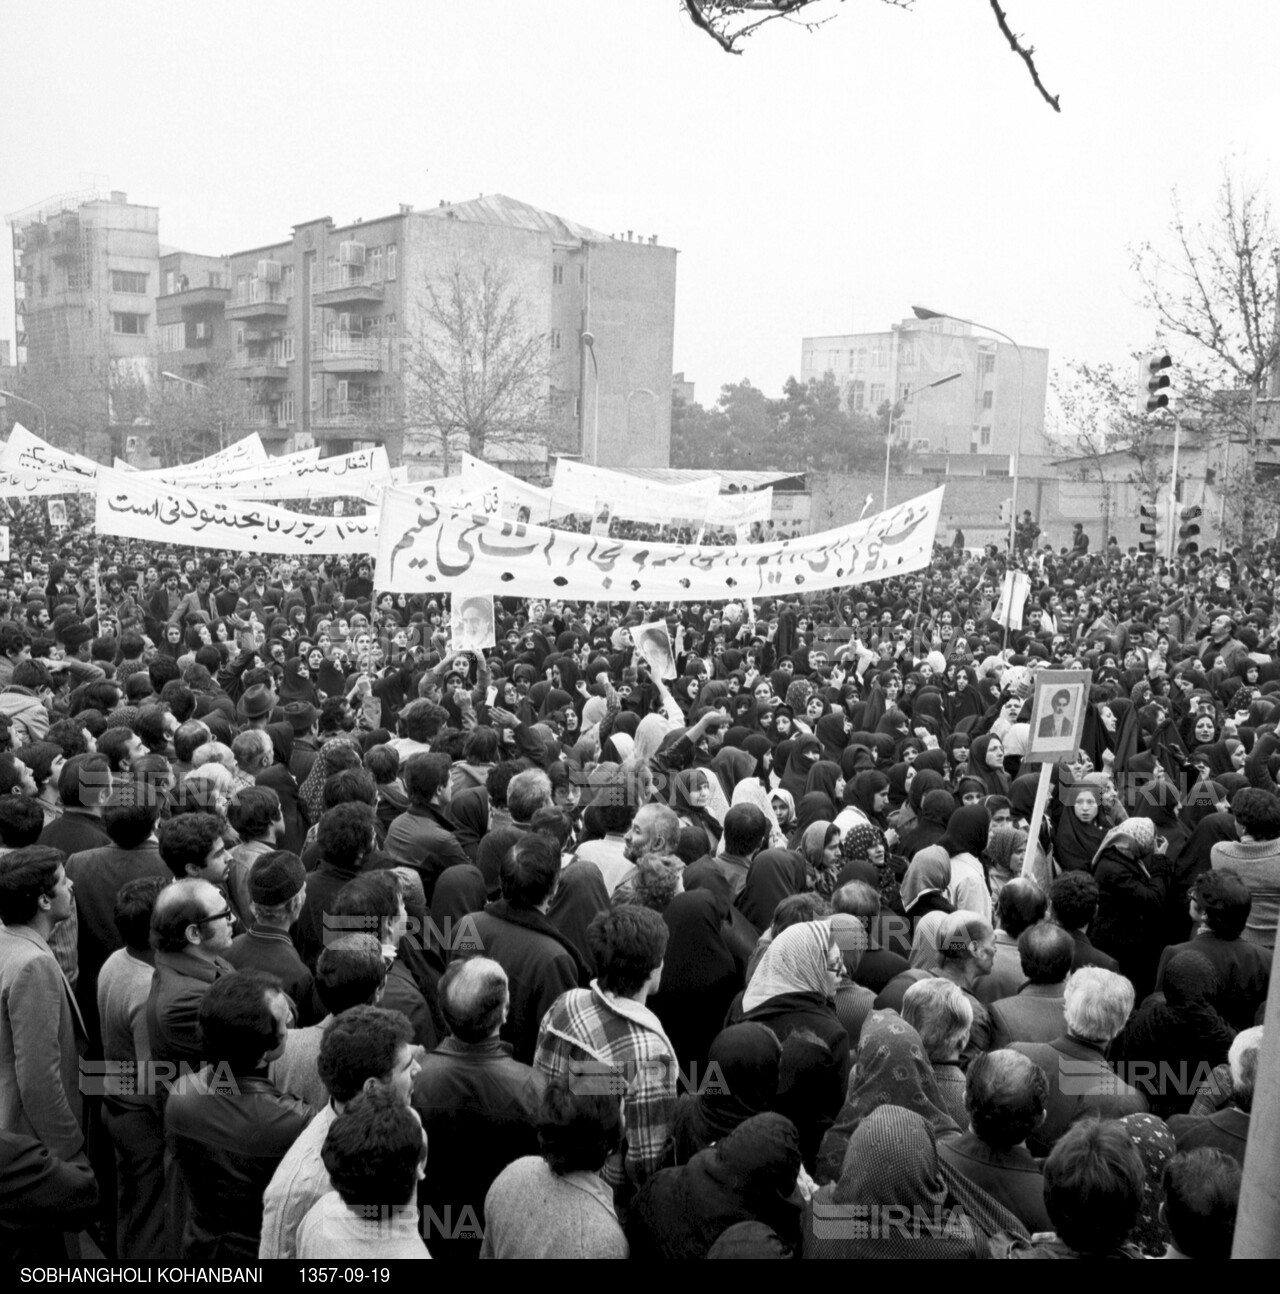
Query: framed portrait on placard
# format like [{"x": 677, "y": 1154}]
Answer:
[{"x": 1058, "y": 709}]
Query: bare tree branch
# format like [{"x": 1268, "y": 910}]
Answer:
[{"x": 1026, "y": 53}]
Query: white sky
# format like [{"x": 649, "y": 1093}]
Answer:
[{"x": 820, "y": 183}]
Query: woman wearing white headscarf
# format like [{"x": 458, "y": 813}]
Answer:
[
  {"x": 1133, "y": 883},
  {"x": 794, "y": 987}
]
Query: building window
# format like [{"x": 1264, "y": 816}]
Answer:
[
  {"x": 374, "y": 261},
  {"x": 315, "y": 274},
  {"x": 987, "y": 398},
  {"x": 879, "y": 358},
  {"x": 985, "y": 436},
  {"x": 857, "y": 396},
  {"x": 239, "y": 339},
  {"x": 577, "y": 407},
  {"x": 557, "y": 274},
  {"x": 555, "y": 339},
  {"x": 986, "y": 362},
  {"x": 877, "y": 395},
  {"x": 168, "y": 283},
  {"x": 858, "y": 359},
  {"x": 204, "y": 330},
  {"x": 907, "y": 354},
  {"x": 172, "y": 337},
  {"x": 129, "y": 281},
  {"x": 286, "y": 345},
  {"x": 391, "y": 260},
  {"x": 582, "y": 273},
  {"x": 215, "y": 278},
  {"x": 904, "y": 390},
  {"x": 286, "y": 414},
  {"x": 288, "y": 281},
  {"x": 129, "y": 325}
]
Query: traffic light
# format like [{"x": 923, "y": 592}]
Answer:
[
  {"x": 1155, "y": 373},
  {"x": 1006, "y": 511},
  {"x": 1188, "y": 531},
  {"x": 1148, "y": 525}
]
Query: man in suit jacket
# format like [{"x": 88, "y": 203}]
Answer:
[
  {"x": 423, "y": 836},
  {"x": 1081, "y": 1082},
  {"x": 1220, "y": 906},
  {"x": 97, "y": 875},
  {"x": 1035, "y": 1013},
  {"x": 41, "y": 1033},
  {"x": 1074, "y": 897}
]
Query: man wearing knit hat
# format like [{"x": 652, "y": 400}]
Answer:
[{"x": 277, "y": 891}]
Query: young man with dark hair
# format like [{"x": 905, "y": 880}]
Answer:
[
  {"x": 191, "y": 845},
  {"x": 344, "y": 839},
  {"x": 41, "y": 1032},
  {"x": 1074, "y": 904},
  {"x": 258, "y": 820},
  {"x": 539, "y": 962},
  {"x": 1220, "y": 904},
  {"x": 84, "y": 787},
  {"x": 746, "y": 833},
  {"x": 98, "y": 875},
  {"x": 422, "y": 836},
  {"x": 1035, "y": 1012},
  {"x": 361, "y": 1049},
  {"x": 610, "y": 1025},
  {"x": 478, "y": 1103},
  {"x": 228, "y": 1136},
  {"x": 374, "y": 903},
  {"x": 375, "y": 1154}
]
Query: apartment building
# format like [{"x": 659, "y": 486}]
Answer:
[{"x": 977, "y": 412}]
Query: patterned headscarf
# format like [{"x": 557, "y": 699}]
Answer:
[
  {"x": 795, "y": 962},
  {"x": 1141, "y": 831},
  {"x": 860, "y": 840}
]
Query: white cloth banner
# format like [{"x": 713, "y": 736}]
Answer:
[
  {"x": 171, "y": 515},
  {"x": 212, "y": 474},
  {"x": 26, "y": 455},
  {"x": 450, "y": 492},
  {"x": 577, "y": 487},
  {"x": 1013, "y": 598},
  {"x": 741, "y": 509},
  {"x": 424, "y": 547},
  {"x": 346, "y": 475},
  {"x": 244, "y": 453},
  {"x": 515, "y": 493}
]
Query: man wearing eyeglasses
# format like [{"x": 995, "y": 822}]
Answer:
[{"x": 191, "y": 928}]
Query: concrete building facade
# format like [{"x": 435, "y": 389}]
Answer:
[
  {"x": 85, "y": 285},
  {"x": 977, "y": 414}
]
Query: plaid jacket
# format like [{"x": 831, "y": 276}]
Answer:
[{"x": 614, "y": 1046}]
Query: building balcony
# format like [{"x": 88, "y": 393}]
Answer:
[
  {"x": 259, "y": 366},
  {"x": 350, "y": 353},
  {"x": 260, "y": 303},
  {"x": 191, "y": 358},
  {"x": 349, "y": 289},
  {"x": 197, "y": 299}
]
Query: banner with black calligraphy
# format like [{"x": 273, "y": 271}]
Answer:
[
  {"x": 425, "y": 546},
  {"x": 140, "y": 509},
  {"x": 25, "y": 457}
]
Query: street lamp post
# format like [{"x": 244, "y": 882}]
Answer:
[
  {"x": 888, "y": 441},
  {"x": 39, "y": 408},
  {"x": 923, "y": 312},
  {"x": 200, "y": 386},
  {"x": 589, "y": 341}
]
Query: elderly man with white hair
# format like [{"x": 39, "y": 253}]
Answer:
[
  {"x": 1096, "y": 1003},
  {"x": 1228, "y": 1129}
]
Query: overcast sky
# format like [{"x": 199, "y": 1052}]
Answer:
[{"x": 819, "y": 183}]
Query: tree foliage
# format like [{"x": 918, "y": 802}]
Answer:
[
  {"x": 476, "y": 367},
  {"x": 803, "y": 430}
]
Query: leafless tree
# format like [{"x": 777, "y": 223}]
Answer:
[
  {"x": 731, "y": 22},
  {"x": 1214, "y": 289},
  {"x": 476, "y": 366}
]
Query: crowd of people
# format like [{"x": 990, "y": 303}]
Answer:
[{"x": 322, "y": 940}]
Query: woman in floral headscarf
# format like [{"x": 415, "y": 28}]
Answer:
[{"x": 1133, "y": 880}]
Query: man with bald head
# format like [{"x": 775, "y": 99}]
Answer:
[{"x": 477, "y": 1103}]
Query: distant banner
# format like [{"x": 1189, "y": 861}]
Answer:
[
  {"x": 26, "y": 455},
  {"x": 741, "y": 509},
  {"x": 425, "y": 547},
  {"x": 345, "y": 475},
  {"x": 244, "y": 453},
  {"x": 202, "y": 472},
  {"x": 578, "y": 486},
  {"x": 518, "y": 497},
  {"x": 140, "y": 509}
]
